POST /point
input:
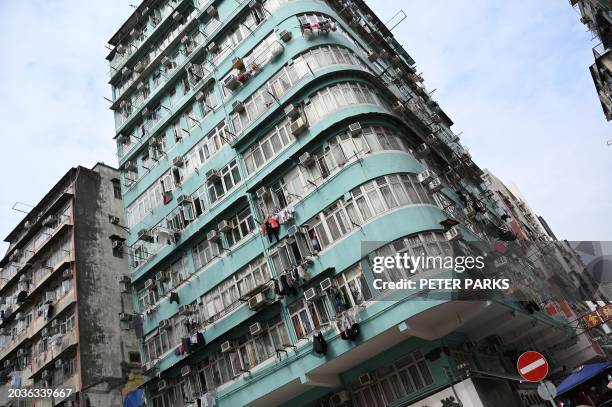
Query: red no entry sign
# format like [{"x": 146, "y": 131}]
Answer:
[{"x": 532, "y": 366}]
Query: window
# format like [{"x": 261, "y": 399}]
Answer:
[
  {"x": 253, "y": 350},
  {"x": 116, "y": 189},
  {"x": 205, "y": 149},
  {"x": 367, "y": 201},
  {"x": 224, "y": 297},
  {"x": 268, "y": 147},
  {"x": 243, "y": 224},
  {"x": 308, "y": 317},
  {"x": 287, "y": 77},
  {"x": 230, "y": 176},
  {"x": 204, "y": 253},
  {"x": 353, "y": 285},
  {"x": 395, "y": 382},
  {"x": 424, "y": 244},
  {"x": 148, "y": 200}
]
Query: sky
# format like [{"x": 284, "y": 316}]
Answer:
[{"x": 512, "y": 75}]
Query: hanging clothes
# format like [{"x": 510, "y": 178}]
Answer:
[
  {"x": 186, "y": 342},
  {"x": 319, "y": 344}
]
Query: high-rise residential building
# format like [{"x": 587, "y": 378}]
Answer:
[
  {"x": 64, "y": 297},
  {"x": 269, "y": 151},
  {"x": 561, "y": 267},
  {"x": 597, "y": 16}
]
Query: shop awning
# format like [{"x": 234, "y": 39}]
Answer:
[{"x": 581, "y": 375}]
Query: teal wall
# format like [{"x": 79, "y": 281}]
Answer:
[{"x": 378, "y": 317}]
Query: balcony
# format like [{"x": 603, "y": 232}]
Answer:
[
  {"x": 71, "y": 383},
  {"x": 63, "y": 264},
  {"x": 55, "y": 349}
]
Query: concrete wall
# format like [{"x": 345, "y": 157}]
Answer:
[{"x": 103, "y": 345}]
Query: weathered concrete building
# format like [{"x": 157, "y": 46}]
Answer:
[{"x": 63, "y": 296}]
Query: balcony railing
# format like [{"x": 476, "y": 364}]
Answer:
[
  {"x": 56, "y": 346},
  {"x": 150, "y": 58}
]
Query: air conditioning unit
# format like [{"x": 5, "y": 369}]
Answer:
[
  {"x": 178, "y": 17},
  {"x": 262, "y": 193},
  {"x": 225, "y": 226},
  {"x": 145, "y": 235},
  {"x": 149, "y": 284},
  {"x": 185, "y": 310},
  {"x": 21, "y": 352},
  {"x": 373, "y": 56},
  {"x": 469, "y": 212},
  {"x": 124, "y": 316},
  {"x": 200, "y": 96},
  {"x": 585, "y": 20},
  {"x": 256, "y": 329},
  {"x": 178, "y": 161},
  {"x": 49, "y": 296},
  {"x": 44, "y": 374},
  {"x": 422, "y": 150},
  {"x": 185, "y": 370},
  {"x": 258, "y": 301},
  {"x": 213, "y": 47},
  {"x": 117, "y": 244},
  {"x": 292, "y": 230},
  {"x": 426, "y": 176},
  {"x": 311, "y": 294},
  {"x": 19, "y": 316},
  {"x": 435, "y": 185},
  {"x": 432, "y": 139},
  {"x": 162, "y": 276},
  {"x": 365, "y": 379},
  {"x": 453, "y": 234},
  {"x": 147, "y": 367},
  {"x": 340, "y": 399},
  {"x": 212, "y": 236},
  {"x": 114, "y": 219},
  {"x": 213, "y": 176},
  {"x": 292, "y": 111},
  {"x": 399, "y": 108},
  {"x": 212, "y": 12},
  {"x": 237, "y": 106},
  {"x": 326, "y": 284},
  {"x": 355, "y": 129},
  {"x": 285, "y": 35},
  {"x": 231, "y": 82},
  {"x": 134, "y": 33},
  {"x": 276, "y": 49},
  {"x": 58, "y": 363},
  {"x": 124, "y": 280},
  {"x": 165, "y": 324},
  {"x": 298, "y": 126},
  {"x": 166, "y": 62},
  {"x": 139, "y": 67},
  {"x": 500, "y": 261},
  {"x": 44, "y": 332},
  {"x": 126, "y": 71},
  {"x": 183, "y": 199},
  {"x": 66, "y": 274},
  {"x": 306, "y": 159},
  {"x": 227, "y": 347}
]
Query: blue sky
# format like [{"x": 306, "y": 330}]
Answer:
[{"x": 513, "y": 76}]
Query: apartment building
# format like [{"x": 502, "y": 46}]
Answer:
[
  {"x": 63, "y": 296},
  {"x": 558, "y": 263},
  {"x": 596, "y": 15},
  {"x": 268, "y": 150}
]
